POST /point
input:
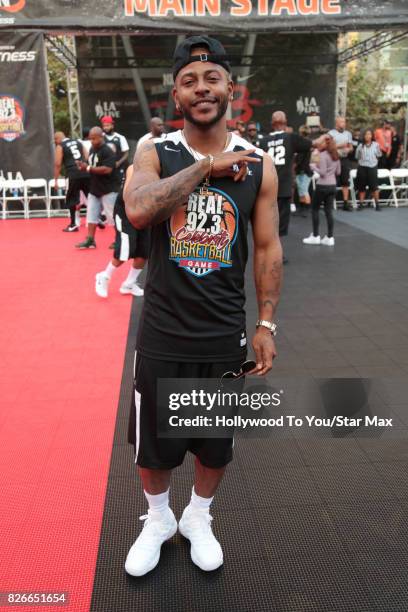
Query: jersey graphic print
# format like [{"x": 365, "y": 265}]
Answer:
[
  {"x": 277, "y": 151},
  {"x": 202, "y": 233}
]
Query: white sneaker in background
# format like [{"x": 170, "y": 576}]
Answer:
[
  {"x": 311, "y": 239},
  {"x": 327, "y": 241},
  {"x": 144, "y": 555},
  {"x": 101, "y": 284},
  {"x": 132, "y": 289},
  {"x": 293, "y": 207},
  {"x": 205, "y": 551}
]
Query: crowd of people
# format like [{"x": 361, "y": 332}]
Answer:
[
  {"x": 311, "y": 165},
  {"x": 96, "y": 167},
  {"x": 328, "y": 156}
]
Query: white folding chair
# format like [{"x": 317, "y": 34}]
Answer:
[
  {"x": 384, "y": 174},
  {"x": 13, "y": 191},
  {"x": 36, "y": 189},
  {"x": 57, "y": 193},
  {"x": 400, "y": 179}
]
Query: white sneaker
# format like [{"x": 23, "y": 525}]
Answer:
[
  {"x": 132, "y": 288},
  {"x": 327, "y": 241},
  {"x": 293, "y": 207},
  {"x": 102, "y": 284},
  {"x": 195, "y": 525},
  {"x": 144, "y": 555},
  {"x": 311, "y": 239}
]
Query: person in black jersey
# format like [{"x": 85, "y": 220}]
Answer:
[
  {"x": 104, "y": 185},
  {"x": 282, "y": 146},
  {"x": 198, "y": 189},
  {"x": 67, "y": 152},
  {"x": 119, "y": 145}
]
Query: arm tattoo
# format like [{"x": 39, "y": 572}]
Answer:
[
  {"x": 157, "y": 201},
  {"x": 268, "y": 279}
]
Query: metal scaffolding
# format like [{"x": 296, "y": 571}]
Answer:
[
  {"x": 346, "y": 55},
  {"x": 373, "y": 43},
  {"x": 64, "y": 49}
]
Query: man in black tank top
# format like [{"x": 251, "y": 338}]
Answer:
[
  {"x": 197, "y": 189},
  {"x": 68, "y": 151}
]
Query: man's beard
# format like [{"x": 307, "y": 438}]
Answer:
[{"x": 222, "y": 109}]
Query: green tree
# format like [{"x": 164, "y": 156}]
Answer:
[
  {"x": 60, "y": 108},
  {"x": 366, "y": 88}
]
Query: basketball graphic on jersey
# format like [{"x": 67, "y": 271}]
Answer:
[{"x": 203, "y": 231}]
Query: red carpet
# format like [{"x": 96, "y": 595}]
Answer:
[{"x": 62, "y": 351}]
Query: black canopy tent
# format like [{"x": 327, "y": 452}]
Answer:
[{"x": 203, "y": 15}]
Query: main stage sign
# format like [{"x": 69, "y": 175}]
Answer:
[{"x": 204, "y": 15}]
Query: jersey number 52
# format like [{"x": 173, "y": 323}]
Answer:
[{"x": 278, "y": 154}]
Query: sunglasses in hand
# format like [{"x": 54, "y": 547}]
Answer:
[{"x": 246, "y": 367}]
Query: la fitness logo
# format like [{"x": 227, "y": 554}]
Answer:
[
  {"x": 203, "y": 232},
  {"x": 12, "y": 6},
  {"x": 11, "y": 118}
]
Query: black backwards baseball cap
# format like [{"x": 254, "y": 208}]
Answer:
[{"x": 216, "y": 53}]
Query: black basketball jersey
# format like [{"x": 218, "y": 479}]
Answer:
[
  {"x": 119, "y": 145},
  {"x": 282, "y": 146},
  {"x": 194, "y": 294},
  {"x": 73, "y": 151}
]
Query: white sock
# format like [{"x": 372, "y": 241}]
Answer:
[
  {"x": 110, "y": 268},
  {"x": 77, "y": 218},
  {"x": 158, "y": 503},
  {"x": 132, "y": 276},
  {"x": 200, "y": 503}
]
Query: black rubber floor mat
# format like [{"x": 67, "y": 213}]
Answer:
[{"x": 306, "y": 525}]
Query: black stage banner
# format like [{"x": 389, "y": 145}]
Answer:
[
  {"x": 204, "y": 15},
  {"x": 25, "y": 125},
  {"x": 296, "y": 74}
]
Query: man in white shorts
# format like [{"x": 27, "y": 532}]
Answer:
[{"x": 104, "y": 184}]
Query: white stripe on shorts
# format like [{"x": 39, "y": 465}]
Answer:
[
  {"x": 134, "y": 366},
  {"x": 124, "y": 247},
  {"x": 118, "y": 223},
  {"x": 137, "y": 404},
  {"x": 124, "y": 240}
]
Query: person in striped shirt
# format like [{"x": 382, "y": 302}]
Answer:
[{"x": 368, "y": 153}]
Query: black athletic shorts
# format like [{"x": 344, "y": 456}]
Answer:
[
  {"x": 344, "y": 177},
  {"x": 167, "y": 453},
  {"x": 75, "y": 186},
  {"x": 129, "y": 241},
  {"x": 366, "y": 177}
]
